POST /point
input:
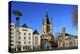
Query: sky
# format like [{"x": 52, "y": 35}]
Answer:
[{"x": 33, "y": 13}]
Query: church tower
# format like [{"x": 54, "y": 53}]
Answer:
[
  {"x": 47, "y": 35},
  {"x": 47, "y": 25}
]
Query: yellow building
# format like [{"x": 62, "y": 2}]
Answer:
[{"x": 36, "y": 40}]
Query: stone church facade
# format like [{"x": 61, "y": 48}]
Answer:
[
  {"x": 47, "y": 35},
  {"x": 66, "y": 40}
]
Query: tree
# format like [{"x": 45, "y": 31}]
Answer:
[{"x": 17, "y": 14}]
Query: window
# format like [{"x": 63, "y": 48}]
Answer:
[
  {"x": 19, "y": 33},
  {"x": 24, "y": 37},
  {"x": 24, "y": 47},
  {"x": 24, "y": 42},
  {"x": 11, "y": 33},
  {"x": 19, "y": 42},
  {"x": 11, "y": 40},
  {"x": 11, "y": 29},
  {"x": 27, "y": 47},
  {"x": 29, "y": 33},
  {"x": 19, "y": 37},
  {"x": 29, "y": 38},
  {"x": 12, "y": 44},
  {"x": 11, "y": 25},
  {"x": 29, "y": 42},
  {"x": 25, "y": 30},
  {"x": 11, "y": 36},
  {"x": 24, "y": 33}
]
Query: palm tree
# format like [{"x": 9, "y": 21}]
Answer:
[{"x": 17, "y": 14}]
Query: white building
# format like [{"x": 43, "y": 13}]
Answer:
[
  {"x": 36, "y": 40},
  {"x": 22, "y": 38},
  {"x": 12, "y": 38}
]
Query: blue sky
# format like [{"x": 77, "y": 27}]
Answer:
[{"x": 33, "y": 13}]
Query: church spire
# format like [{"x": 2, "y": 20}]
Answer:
[
  {"x": 46, "y": 14},
  {"x": 47, "y": 18},
  {"x": 51, "y": 20},
  {"x": 47, "y": 24},
  {"x": 63, "y": 29},
  {"x": 42, "y": 21}
]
